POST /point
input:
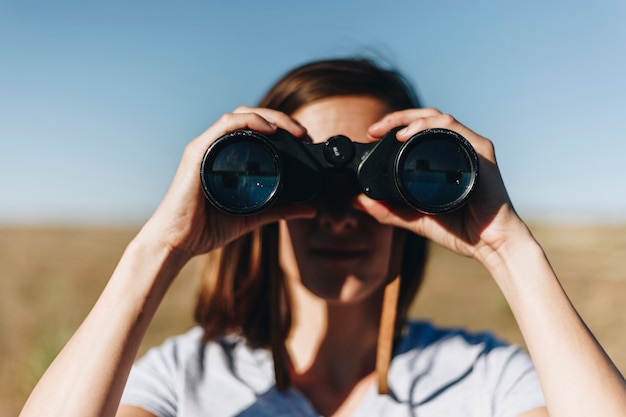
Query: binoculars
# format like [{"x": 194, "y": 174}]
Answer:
[{"x": 245, "y": 172}]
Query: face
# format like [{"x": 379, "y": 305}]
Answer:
[{"x": 342, "y": 254}]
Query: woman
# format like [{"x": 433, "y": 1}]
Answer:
[{"x": 291, "y": 310}]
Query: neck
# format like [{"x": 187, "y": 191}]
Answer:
[{"x": 330, "y": 342}]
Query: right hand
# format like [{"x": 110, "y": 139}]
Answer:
[{"x": 185, "y": 221}]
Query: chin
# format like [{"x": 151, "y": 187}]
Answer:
[{"x": 343, "y": 290}]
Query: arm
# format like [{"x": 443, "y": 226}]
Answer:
[
  {"x": 88, "y": 376},
  {"x": 577, "y": 377},
  {"x": 90, "y": 372}
]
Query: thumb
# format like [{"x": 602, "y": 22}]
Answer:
[{"x": 398, "y": 216}]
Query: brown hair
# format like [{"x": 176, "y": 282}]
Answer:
[{"x": 242, "y": 290}]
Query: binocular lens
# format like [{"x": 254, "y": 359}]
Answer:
[
  {"x": 436, "y": 174},
  {"x": 243, "y": 176}
]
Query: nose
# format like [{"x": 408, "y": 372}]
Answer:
[
  {"x": 337, "y": 220},
  {"x": 334, "y": 207}
]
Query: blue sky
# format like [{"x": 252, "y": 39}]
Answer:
[{"x": 98, "y": 99}]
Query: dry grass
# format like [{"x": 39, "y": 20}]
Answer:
[{"x": 50, "y": 277}]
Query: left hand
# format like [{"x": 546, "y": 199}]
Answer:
[{"x": 476, "y": 229}]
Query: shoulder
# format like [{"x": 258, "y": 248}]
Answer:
[
  {"x": 190, "y": 350},
  {"x": 176, "y": 372},
  {"x": 447, "y": 352},
  {"x": 422, "y": 335},
  {"x": 453, "y": 349},
  {"x": 437, "y": 367}
]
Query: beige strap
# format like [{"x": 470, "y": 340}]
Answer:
[
  {"x": 386, "y": 333},
  {"x": 277, "y": 341},
  {"x": 281, "y": 372}
]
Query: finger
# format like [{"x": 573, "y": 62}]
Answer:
[
  {"x": 275, "y": 117},
  {"x": 400, "y": 118},
  {"x": 403, "y": 217},
  {"x": 230, "y": 122},
  {"x": 482, "y": 145},
  {"x": 417, "y": 125}
]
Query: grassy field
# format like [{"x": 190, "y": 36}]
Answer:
[{"x": 50, "y": 277}]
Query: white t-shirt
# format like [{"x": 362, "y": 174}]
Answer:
[{"x": 434, "y": 372}]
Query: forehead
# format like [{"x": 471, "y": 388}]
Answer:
[{"x": 342, "y": 115}]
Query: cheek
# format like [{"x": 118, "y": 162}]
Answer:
[
  {"x": 291, "y": 245},
  {"x": 382, "y": 239},
  {"x": 295, "y": 234}
]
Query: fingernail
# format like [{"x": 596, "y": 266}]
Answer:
[{"x": 360, "y": 202}]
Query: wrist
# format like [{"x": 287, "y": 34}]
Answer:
[
  {"x": 520, "y": 269},
  {"x": 165, "y": 240},
  {"x": 509, "y": 252},
  {"x": 154, "y": 259}
]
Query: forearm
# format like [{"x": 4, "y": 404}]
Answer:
[
  {"x": 577, "y": 377},
  {"x": 88, "y": 376}
]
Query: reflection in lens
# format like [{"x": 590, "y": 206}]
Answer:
[
  {"x": 243, "y": 177},
  {"x": 435, "y": 174}
]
